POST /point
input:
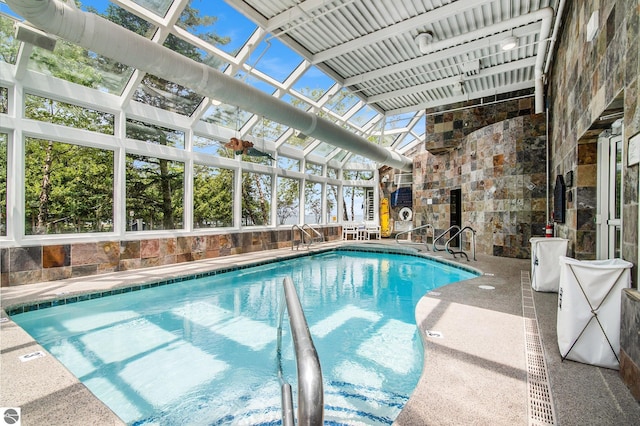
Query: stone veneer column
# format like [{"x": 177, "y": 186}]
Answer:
[
  {"x": 629, "y": 348},
  {"x": 502, "y": 174}
]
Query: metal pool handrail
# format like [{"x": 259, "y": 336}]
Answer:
[
  {"x": 303, "y": 233},
  {"x": 310, "y": 390},
  {"x": 428, "y": 225},
  {"x": 439, "y": 237},
  {"x": 319, "y": 237},
  {"x": 462, "y": 252}
]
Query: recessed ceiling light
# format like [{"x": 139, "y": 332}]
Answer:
[{"x": 509, "y": 43}]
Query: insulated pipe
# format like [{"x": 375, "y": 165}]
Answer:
[
  {"x": 545, "y": 15},
  {"x": 113, "y": 41}
]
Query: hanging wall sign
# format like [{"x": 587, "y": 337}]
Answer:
[
  {"x": 402, "y": 197},
  {"x": 633, "y": 151},
  {"x": 559, "y": 201}
]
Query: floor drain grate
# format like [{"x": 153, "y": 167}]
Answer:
[{"x": 539, "y": 399}]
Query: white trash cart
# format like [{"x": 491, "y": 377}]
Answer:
[
  {"x": 589, "y": 299},
  {"x": 545, "y": 262}
]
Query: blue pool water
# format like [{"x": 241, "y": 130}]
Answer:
[{"x": 203, "y": 351}]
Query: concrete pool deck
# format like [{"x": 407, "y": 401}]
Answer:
[{"x": 477, "y": 353}]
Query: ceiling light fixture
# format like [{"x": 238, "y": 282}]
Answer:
[
  {"x": 458, "y": 88},
  {"x": 424, "y": 40},
  {"x": 509, "y": 43}
]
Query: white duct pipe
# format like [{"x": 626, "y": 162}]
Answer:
[
  {"x": 545, "y": 15},
  {"x": 113, "y": 41}
]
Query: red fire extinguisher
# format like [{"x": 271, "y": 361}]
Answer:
[{"x": 548, "y": 230}]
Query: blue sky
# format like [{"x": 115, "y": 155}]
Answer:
[{"x": 272, "y": 56}]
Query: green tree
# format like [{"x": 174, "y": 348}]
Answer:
[
  {"x": 212, "y": 197},
  {"x": 288, "y": 199},
  {"x": 154, "y": 185},
  {"x": 68, "y": 188},
  {"x": 8, "y": 45},
  {"x": 52, "y": 177},
  {"x": 155, "y": 191},
  {"x": 256, "y": 198},
  {"x": 313, "y": 201}
]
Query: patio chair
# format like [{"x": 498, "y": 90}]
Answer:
[{"x": 372, "y": 230}]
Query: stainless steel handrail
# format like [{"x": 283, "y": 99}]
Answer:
[
  {"x": 473, "y": 243},
  {"x": 302, "y": 235},
  {"x": 435, "y": 240},
  {"x": 310, "y": 388},
  {"x": 428, "y": 225},
  {"x": 319, "y": 235}
]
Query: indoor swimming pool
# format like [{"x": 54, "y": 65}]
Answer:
[{"x": 203, "y": 350}]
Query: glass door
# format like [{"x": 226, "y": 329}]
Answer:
[
  {"x": 614, "y": 221},
  {"x": 609, "y": 217}
]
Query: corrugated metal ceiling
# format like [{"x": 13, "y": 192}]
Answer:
[{"x": 371, "y": 46}]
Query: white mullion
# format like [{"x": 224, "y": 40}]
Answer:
[
  {"x": 16, "y": 166},
  {"x": 302, "y": 200},
  {"x": 237, "y": 196},
  {"x": 120, "y": 216},
  {"x": 187, "y": 211}
]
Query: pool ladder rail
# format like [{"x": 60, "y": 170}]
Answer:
[
  {"x": 408, "y": 232},
  {"x": 308, "y": 236},
  {"x": 454, "y": 231},
  {"x": 460, "y": 232},
  {"x": 310, "y": 388}
]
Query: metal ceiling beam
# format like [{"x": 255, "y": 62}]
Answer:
[
  {"x": 300, "y": 10},
  {"x": 527, "y": 84},
  {"x": 498, "y": 69},
  {"x": 443, "y": 54},
  {"x": 441, "y": 13}
]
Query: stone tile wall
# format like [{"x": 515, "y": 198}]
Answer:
[
  {"x": 585, "y": 79},
  {"x": 502, "y": 174},
  {"x": 26, "y": 265},
  {"x": 629, "y": 348},
  {"x": 447, "y": 130}
]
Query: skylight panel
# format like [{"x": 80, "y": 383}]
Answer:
[
  {"x": 313, "y": 83},
  {"x": 159, "y": 7},
  {"x": 342, "y": 101},
  {"x": 363, "y": 116},
  {"x": 296, "y": 102},
  {"x": 341, "y": 155},
  {"x": 122, "y": 17},
  {"x": 169, "y": 96},
  {"x": 359, "y": 159},
  {"x": 227, "y": 116},
  {"x": 323, "y": 149},
  {"x": 274, "y": 59},
  {"x": 220, "y": 24},
  {"x": 256, "y": 82},
  {"x": 420, "y": 127},
  {"x": 193, "y": 52},
  {"x": 406, "y": 141},
  {"x": 383, "y": 140},
  {"x": 78, "y": 65},
  {"x": 269, "y": 130},
  {"x": 398, "y": 121}
]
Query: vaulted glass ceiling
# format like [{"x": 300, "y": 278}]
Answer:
[{"x": 214, "y": 33}]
